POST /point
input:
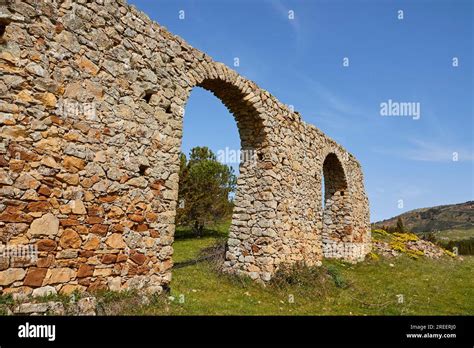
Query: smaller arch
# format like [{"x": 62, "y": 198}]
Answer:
[{"x": 336, "y": 210}]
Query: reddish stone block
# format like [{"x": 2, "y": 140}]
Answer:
[
  {"x": 35, "y": 277},
  {"x": 136, "y": 217},
  {"x": 46, "y": 245},
  {"x": 38, "y": 206},
  {"x": 16, "y": 151},
  {"x": 56, "y": 120},
  {"x": 151, "y": 217},
  {"x": 154, "y": 233},
  {"x": 137, "y": 257},
  {"x": 86, "y": 253},
  {"x": 44, "y": 190},
  {"x": 85, "y": 271},
  {"x": 81, "y": 229},
  {"x": 109, "y": 258},
  {"x": 117, "y": 228},
  {"x": 45, "y": 262},
  {"x": 3, "y": 161},
  {"x": 94, "y": 220},
  {"x": 122, "y": 258},
  {"x": 142, "y": 270},
  {"x": 17, "y": 166},
  {"x": 69, "y": 222},
  {"x": 157, "y": 185},
  {"x": 84, "y": 281},
  {"x": 108, "y": 199},
  {"x": 97, "y": 286},
  {"x": 142, "y": 227},
  {"x": 95, "y": 211},
  {"x": 99, "y": 229},
  {"x": 14, "y": 214}
]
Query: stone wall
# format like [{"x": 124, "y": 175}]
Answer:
[{"x": 92, "y": 97}]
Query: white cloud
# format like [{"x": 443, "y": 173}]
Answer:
[
  {"x": 426, "y": 151},
  {"x": 433, "y": 152}
]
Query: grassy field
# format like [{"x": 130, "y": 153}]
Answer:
[
  {"x": 187, "y": 246},
  {"x": 455, "y": 234},
  {"x": 397, "y": 286},
  {"x": 384, "y": 286}
]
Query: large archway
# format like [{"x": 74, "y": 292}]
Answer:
[{"x": 247, "y": 206}]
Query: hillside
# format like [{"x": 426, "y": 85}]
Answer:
[{"x": 440, "y": 218}]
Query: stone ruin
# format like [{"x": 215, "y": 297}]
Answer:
[{"x": 92, "y": 95}]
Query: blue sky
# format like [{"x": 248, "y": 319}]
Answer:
[{"x": 300, "y": 61}]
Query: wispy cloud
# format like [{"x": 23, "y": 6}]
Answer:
[
  {"x": 433, "y": 152},
  {"x": 421, "y": 150},
  {"x": 283, "y": 11},
  {"x": 331, "y": 109},
  {"x": 333, "y": 101},
  {"x": 409, "y": 192}
]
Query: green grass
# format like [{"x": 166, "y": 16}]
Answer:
[
  {"x": 454, "y": 234},
  {"x": 429, "y": 287},
  {"x": 187, "y": 246}
]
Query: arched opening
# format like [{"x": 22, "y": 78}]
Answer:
[
  {"x": 336, "y": 216},
  {"x": 241, "y": 150}
]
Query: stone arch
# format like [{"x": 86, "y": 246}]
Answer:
[
  {"x": 249, "y": 121},
  {"x": 106, "y": 183},
  {"x": 336, "y": 212},
  {"x": 243, "y": 100}
]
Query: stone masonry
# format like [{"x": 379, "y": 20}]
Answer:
[{"x": 92, "y": 95}]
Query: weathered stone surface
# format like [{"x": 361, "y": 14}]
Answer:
[
  {"x": 59, "y": 275},
  {"x": 11, "y": 275},
  {"x": 87, "y": 306},
  {"x": 92, "y": 243},
  {"x": 115, "y": 241},
  {"x": 51, "y": 307},
  {"x": 35, "y": 277},
  {"x": 92, "y": 131},
  {"x": 138, "y": 182},
  {"x": 44, "y": 291},
  {"x": 68, "y": 289},
  {"x": 87, "y": 66},
  {"x": 5, "y": 178},
  {"x": 137, "y": 257},
  {"x": 77, "y": 207},
  {"x": 71, "y": 179},
  {"x": 70, "y": 239},
  {"x": 25, "y": 182},
  {"x": 71, "y": 162},
  {"x": 46, "y": 245},
  {"x": 47, "y": 225}
]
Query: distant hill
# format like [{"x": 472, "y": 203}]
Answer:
[{"x": 440, "y": 218}]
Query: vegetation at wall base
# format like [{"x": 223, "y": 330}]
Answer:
[{"x": 442, "y": 286}]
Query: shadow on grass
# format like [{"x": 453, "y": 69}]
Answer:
[{"x": 217, "y": 231}]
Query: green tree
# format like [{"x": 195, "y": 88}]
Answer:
[
  {"x": 204, "y": 188},
  {"x": 400, "y": 226}
]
